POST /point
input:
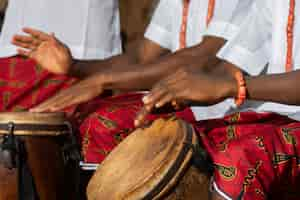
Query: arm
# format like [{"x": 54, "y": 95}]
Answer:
[
  {"x": 145, "y": 76},
  {"x": 128, "y": 77},
  {"x": 54, "y": 56},
  {"x": 281, "y": 88},
  {"x": 146, "y": 52},
  {"x": 133, "y": 70},
  {"x": 212, "y": 88},
  {"x": 91, "y": 86}
]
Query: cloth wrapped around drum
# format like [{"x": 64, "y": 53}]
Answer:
[
  {"x": 38, "y": 157},
  {"x": 158, "y": 162}
]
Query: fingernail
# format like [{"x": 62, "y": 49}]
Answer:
[{"x": 158, "y": 105}]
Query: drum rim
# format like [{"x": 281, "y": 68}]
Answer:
[
  {"x": 33, "y": 113},
  {"x": 35, "y": 129},
  {"x": 26, "y": 123},
  {"x": 176, "y": 166},
  {"x": 32, "y": 118}
]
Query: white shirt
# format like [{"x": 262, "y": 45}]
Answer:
[
  {"x": 261, "y": 39},
  {"x": 91, "y": 28},
  {"x": 164, "y": 30},
  {"x": 228, "y": 17}
]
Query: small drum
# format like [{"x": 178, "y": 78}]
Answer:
[
  {"x": 152, "y": 163},
  {"x": 38, "y": 157}
]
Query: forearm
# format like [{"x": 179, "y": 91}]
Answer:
[
  {"x": 142, "y": 53},
  {"x": 281, "y": 88},
  {"x": 136, "y": 77},
  {"x": 87, "y": 68}
]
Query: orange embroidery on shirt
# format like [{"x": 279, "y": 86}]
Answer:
[
  {"x": 210, "y": 11},
  {"x": 185, "y": 13},
  {"x": 290, "y": 33}
]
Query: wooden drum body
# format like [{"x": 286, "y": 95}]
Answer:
[
  {"x": 44, "y": 138},
  {"x": 152, "y": 163}
]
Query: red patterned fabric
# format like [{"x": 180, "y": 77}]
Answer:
[
  {"x": 23, "y": 84},
  {"x": 111, "y": 122},
  {"x": 256, "y": 156}
]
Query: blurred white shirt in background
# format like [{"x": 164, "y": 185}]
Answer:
[{"x": 91, "y": 28}]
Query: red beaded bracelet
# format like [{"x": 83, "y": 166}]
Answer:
[{"x": 242, "y": 91}]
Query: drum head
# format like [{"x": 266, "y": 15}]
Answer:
[{"x": 145, "y": 164}]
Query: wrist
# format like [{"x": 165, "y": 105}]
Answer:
[{"x": 230, "y": 89}]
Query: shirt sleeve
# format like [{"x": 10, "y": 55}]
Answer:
[
  {"x": 160, "y": 27},
  {"x": 228, "y": 17},
  {"x": 249, "y": 48}
]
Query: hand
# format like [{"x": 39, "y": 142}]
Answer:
[
  {"x": 81, "y": 92},
  {"x": 45, "y": 49},
  {"x": 188, "y": 85}
]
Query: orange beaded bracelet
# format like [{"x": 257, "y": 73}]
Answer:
[{"x": 242, "y": 91}]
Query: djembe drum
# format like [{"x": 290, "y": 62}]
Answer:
[
  {"x": 38, "y": 157},
  {"x": 153, "y": 163}
]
